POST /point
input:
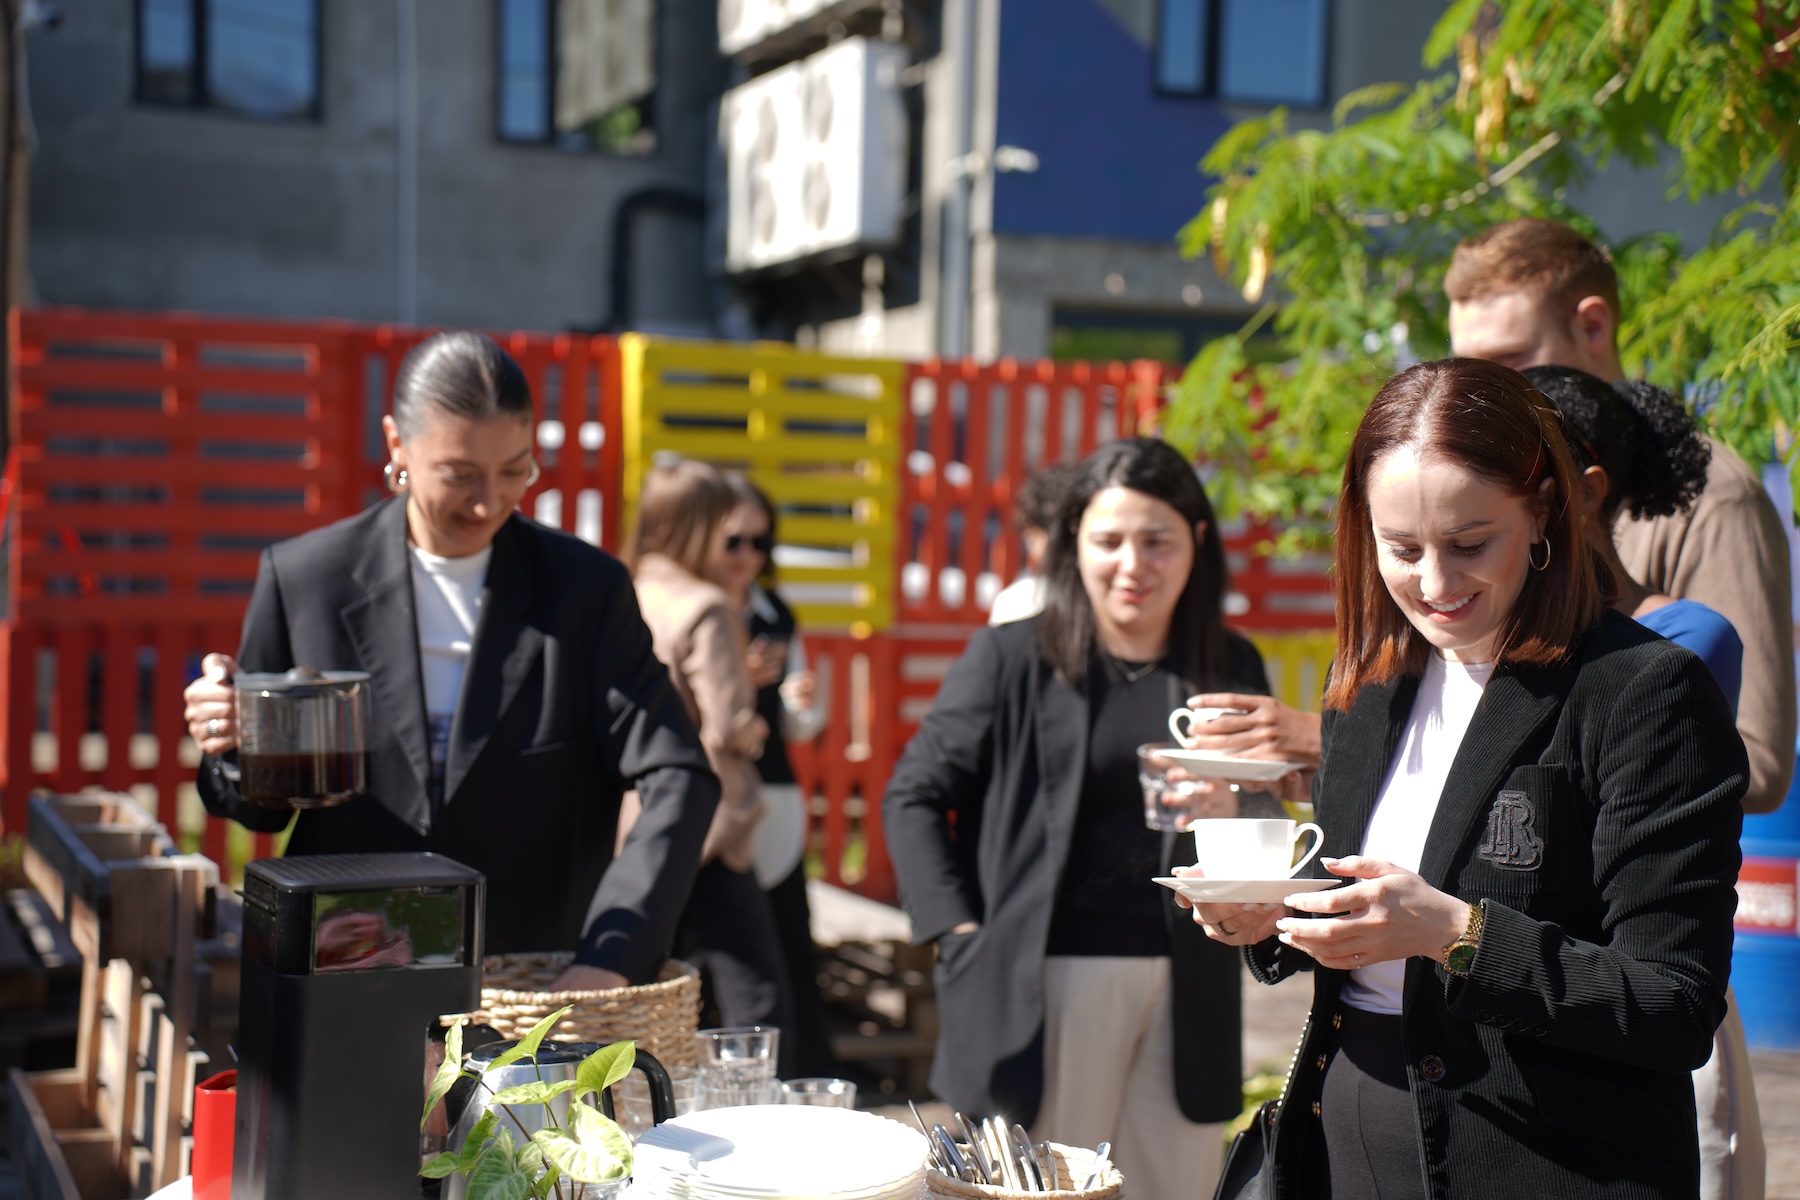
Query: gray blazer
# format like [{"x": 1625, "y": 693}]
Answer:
[{"x": 563, "y": 707}]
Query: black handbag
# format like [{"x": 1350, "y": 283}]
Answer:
[{"x": 1249, "y": 1172}]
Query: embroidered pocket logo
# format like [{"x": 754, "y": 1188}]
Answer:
[{"x": 1511, "y": 843}]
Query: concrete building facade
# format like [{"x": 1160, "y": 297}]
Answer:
[{"x": 394, "y": 202}]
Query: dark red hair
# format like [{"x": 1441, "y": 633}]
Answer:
[{"x": 1489, "y": 419}]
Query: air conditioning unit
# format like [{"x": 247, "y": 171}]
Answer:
[
  {"x": 816, "y": 156},
  {"x": 744, "y": 23}
]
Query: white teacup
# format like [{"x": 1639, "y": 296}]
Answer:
[
  {"x": 1195, "y": 717},
  {"x": 1252, "y": 847}
]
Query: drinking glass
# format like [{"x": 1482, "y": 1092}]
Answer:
[
  {"x": 821, "y": 1093},
  {"x": 631, "y": 1098},
  {"x": 737, "y": 1066},
  {"x": 1162, "y": 811}
]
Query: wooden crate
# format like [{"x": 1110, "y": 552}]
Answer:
[{"x": 116, "y": 1124}]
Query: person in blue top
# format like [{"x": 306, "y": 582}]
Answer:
[{"x": 1638, "y": 450}]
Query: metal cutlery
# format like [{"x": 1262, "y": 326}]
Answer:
[
  {"x": 1027, "y": 1156},
  {"x": 1000, "y": 1155},
  {"x": 978, "y": 1151},
  {"x": 1102, "y": 1160},
  {"x": 947, "y": 1144}
]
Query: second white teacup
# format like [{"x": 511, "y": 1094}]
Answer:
[
  {"x": 1252, "y": 847},
  {"x": 1193, "y": 718}
]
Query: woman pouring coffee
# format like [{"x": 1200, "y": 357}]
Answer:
[
  {"x": 1075, "y": 999},
  {"x": 516, "y": 694}
]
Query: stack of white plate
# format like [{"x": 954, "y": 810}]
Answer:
[{"x": 780, "y": 1152}]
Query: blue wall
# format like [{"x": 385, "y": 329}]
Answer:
[{"x": 1117, "y": 160}]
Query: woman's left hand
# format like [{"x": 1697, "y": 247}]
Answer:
[
  {"x": 579, "y": 978},
  {"x": 1384, "y": 913}
]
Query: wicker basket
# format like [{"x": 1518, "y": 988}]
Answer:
[
  {"x": 1073, "y": 1166},
  {"x": 660, "y": 1017}
]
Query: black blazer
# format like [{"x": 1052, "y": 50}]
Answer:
[
  {"x": 979, "y": 815},
  {"x": 1593, "y": 808},
  {"x": 564, "y": 707}
]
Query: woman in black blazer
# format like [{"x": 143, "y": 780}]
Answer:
[
  {"x": 1536, "y": 804},
  {"x": 1016, "y": 825},
  {"x": 515, "y": 693}
]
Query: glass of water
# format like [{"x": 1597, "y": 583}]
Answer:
[
  {"x": 1164, "y": 810},
  {"x": 737, "y": 1066},
  {"x": 821, "y": 1093}
]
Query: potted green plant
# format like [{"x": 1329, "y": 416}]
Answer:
[{"x": 585, "y": 1156}]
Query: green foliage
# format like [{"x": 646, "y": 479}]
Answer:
[
  {"x": 604, "y": 1067},
  {"x": 1353, "y": 225},
  {"x": 591, "y": 1149},
  {"x": 527, "y": 1046},
  {"x": 447, "y": 1073}
]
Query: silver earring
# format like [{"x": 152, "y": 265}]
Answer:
[{"x": 395, "y": 479}]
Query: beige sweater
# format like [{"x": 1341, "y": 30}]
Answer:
[
  {"x": 1730, "y": 553},
  {"x": 699, "y": 634}
]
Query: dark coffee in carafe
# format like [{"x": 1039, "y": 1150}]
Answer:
[{"x": 320, "y": 780}]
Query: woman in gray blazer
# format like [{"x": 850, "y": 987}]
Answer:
[
  {"x": 1074, "y": 998},
  {"x": 516, "y": 694},
  {"x": 1535, "y": 804}
]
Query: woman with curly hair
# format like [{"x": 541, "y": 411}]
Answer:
[{"x": 1638, "y": 451}]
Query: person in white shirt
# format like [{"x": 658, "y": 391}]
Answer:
[
  {"x": 516, "y": 692},
  {"x": 1035, "y": 512}
]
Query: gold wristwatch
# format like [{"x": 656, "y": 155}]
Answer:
[{"x": 1459, "y": 955}]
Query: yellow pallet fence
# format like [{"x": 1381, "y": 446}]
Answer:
[
  {"x": 819, "y": 434},
  {"x": 1297, "y": 663}
]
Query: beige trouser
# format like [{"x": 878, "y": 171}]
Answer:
[
  {"x": 1732, "y": 1158},
  {"x": 1109, "y": 1075}
]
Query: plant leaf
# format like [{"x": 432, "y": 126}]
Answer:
[
  {"x": 593, "y": 1149},
  {"x": 447, "y": 1071},
  {"x": 495, "y": 1178},
  {"x": 534, "y": 1092},
  {"x": 527, "y": 1046},
  {"x": 605, "y": 1067},
  {"x": 444, "y": 1164},
  {"x": 477, "y": 1139}
]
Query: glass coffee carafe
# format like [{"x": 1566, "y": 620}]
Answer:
[{"x": 303, "y": 737}]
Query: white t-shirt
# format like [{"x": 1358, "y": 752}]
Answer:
[
  {"x": 447, "y": 600},
  {"x": 1447, "y": 699}
]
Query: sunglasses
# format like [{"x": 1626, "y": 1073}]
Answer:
[{"x": 762, "y": 543}]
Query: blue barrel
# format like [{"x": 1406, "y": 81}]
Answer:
[{"x": 1765, "y": 965}]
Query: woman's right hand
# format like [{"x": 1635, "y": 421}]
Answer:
[
  {"x": 1233, "y": 924},
  {"x": 211, "y": 712}
]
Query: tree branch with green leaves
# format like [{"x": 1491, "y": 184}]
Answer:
[{"x": 1348, "y": 229}]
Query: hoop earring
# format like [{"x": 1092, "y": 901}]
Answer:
[
  {"x": 536, "y": 471},
  {"x": 1535, "y": 564},
  {"x": 395, "y": 479}
]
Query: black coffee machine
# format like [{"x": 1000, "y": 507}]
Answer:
[{"x": 348, "y": 961}]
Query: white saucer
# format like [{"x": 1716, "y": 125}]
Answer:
[
  {"x": 1208, "y": 765},
  {"x": 1242, "y": 891}
]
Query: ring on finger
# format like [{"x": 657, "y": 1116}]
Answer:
[{"x": 214, "y": 727}]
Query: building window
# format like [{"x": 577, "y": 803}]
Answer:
[
  {"x": 1246, "y": 51},
  {"x": 578, "y": 76},
  {"x": 254, "y": 58}
]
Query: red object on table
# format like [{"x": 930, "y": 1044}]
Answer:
[{"x": 215, "y": 1113}]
